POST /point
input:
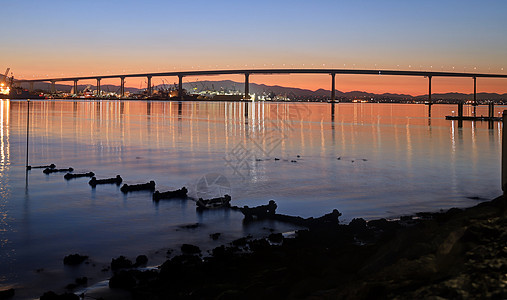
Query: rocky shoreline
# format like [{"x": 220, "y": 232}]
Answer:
[{"x": 457, "y": 254}]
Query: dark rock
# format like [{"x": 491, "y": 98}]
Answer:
[
  {"x": 222, "y": 252},
  {"x": 215, "y": 236},
  {"x": 54, "y": 296},
  {"x": 190, "y": 249},
  {"x": 358, "y": 225},
  {"x": 383, "y": 224},
  {"x": 121, "y": 263},
  {"x": 82, "y": 280},
  {"x": 6, "y": 294},
  {"x": 122, "y": 280},
  {"x": 141, "y": 260},
  {"x": 259, "y": 212},
  {"x": 71, "y": 286},
  {"x": 150, "y": 186},
  {"x": 406, "y": 218},
  {"x": 74, "y": 259},
  {"x": 241, "y": 242},
  {"x": 275, "y": 237},
  {"x": 259, "y": 245}
]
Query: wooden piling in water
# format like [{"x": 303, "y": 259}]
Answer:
[{"x": 504, "y": 153}]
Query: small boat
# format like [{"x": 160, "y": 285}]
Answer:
[
  {"x": 150, "y": 186},
  {"x": 49, "y": 170},
  {"x": 214, "y": 203},
  {"x": 116, "y": 180},
  {"x": 181, "y": 194},
  {"x": 70, "y": 176}
]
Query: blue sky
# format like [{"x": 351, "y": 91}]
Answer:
[{"x": 55, "y": 37}]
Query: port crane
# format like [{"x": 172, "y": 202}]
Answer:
[{"x": 5, "y": 76}]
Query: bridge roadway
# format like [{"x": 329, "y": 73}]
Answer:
[{"x": 248, "y": 72}]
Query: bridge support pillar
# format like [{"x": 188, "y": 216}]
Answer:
[
  {"x": 122, "y": 86},
  {"x": 247, "y": 87},
  {"x": 491, "y": 110},
  {"x": 429, "y": 91},
  {"x": 98, "y": 88},
  {"x": 149, "y": 90},
  {"x": 180, "y": 86},
  {"x": 333, "y": 87},
  {"x": 31, "y": 87},
  {"x": 475, "y": 96},
  {"x": 53, "y": 87},
  {"x": 504, "y": 153},
  {"x": 75, "y": 87},
  {"x": 460, "y": 114}
]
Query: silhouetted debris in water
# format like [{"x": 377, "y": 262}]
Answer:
[
  {"x": 214, "y": 203},
  {"x": 51, "y": 166},
  {"x": 259, "y": 212},
  {"x": 7, "y": 294},
  {"x": 215, "y": 236},
  {"x": 74, "y": 259},
  {"x": 181, "y": 194},
  {"x": 150, "y": 186},
  {"x": 116, "y": 180},
  {"x": 48, "y": 170},
  {"x": 190, "y": 226},
  {"x": 121, "y": 263},
  {"x": 71, "y": 176},
  {"x": 277, "y": 158}
]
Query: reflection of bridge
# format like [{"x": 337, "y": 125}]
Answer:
[{"x": 247, "y": 73}]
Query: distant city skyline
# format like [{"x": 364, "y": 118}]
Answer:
[{"x": 78, "y": 38}]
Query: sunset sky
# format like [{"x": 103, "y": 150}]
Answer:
[{"x": 77, "y": 38}]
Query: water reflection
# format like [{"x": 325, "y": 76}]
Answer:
[{"x": 393, "y": 160}]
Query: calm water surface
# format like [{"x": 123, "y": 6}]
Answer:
[{"x": 393, "y": 160}]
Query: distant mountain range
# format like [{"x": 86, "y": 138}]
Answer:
[{"x": 293, "y": 93}]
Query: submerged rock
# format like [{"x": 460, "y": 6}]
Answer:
[
  {"x": 74, "y": 259},
  {"x": 121, "y": 263}
]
